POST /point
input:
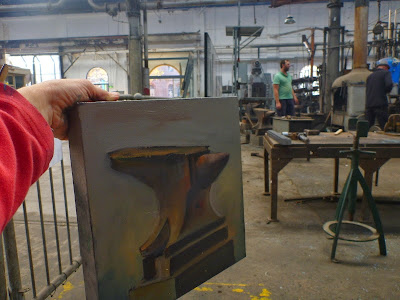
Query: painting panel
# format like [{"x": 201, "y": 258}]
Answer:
[{"x": 158, "y": 193}]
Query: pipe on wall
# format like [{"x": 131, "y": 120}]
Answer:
[
  {"x": 28, "y": 7},
  {"x": 114, "y": 8},
  {"x": 193, "y": 3}
]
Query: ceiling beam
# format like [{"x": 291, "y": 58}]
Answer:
[
  {"x": 91, "y": 44},
  {"x": 277, "y": 3}
]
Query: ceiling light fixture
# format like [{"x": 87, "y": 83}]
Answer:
[{"x": 290, "y": 20}]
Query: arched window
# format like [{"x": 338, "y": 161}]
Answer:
[
  {"x": 165, "y": 82},
  {"x": 98, "y": 76}
]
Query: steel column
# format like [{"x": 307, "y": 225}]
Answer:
[
  {"x": 333, "y": 51},
  {"x": 135, "y": 77}
]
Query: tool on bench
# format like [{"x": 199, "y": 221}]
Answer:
[
  {"x": 339, "y": 131},
  {"x": 309, "y": 132},
  {"x": 280, "y": 138},
  {"x": 286, "y": 137},
  {"x": 297, "y": 136},
  {"x": 349, "y": 196}
]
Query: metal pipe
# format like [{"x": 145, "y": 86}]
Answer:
[
  {"x": 96, "y": 6},
  {"x": 46, "y": 261},
  {"x": 146, "y": 80},
  {"x": 238, "y": 5},
  {"x": 206, "y": 75},
  {"x": 60, "y": 57},
  {"x": 342, "y": 50},
  {"x": 114, "y": 8},
  {"x": 28, "y": 7},
  {"x": 14, "y": 276},
  {"x": 394, "y": 33},
  {"x": 28, "y": 242},
  {"x": 285, "y": 45},
  {"x": 66, "y": 211},
  {"x": 273, "y": 36},
  {"x": 360, "y": 34},
  {"x": 379, "y": 10},
  {"x": 312, "y": 52},
  {"x": 193, "y": 3},
  {"x": 53, "y": 201},
  {"x": 33, "y": 70},
  {"x": 323, "y": 87},
  {"x": 54, "y": 67},
  {"x": 390, "y": 25},
  {"x": 51, "y": 287},
  {"x": 3, "y": 281}
]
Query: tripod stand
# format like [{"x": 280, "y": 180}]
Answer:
[{"x": 349, "y": 196}]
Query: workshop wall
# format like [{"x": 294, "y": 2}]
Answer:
[
  {"x": 203, "y": 19},
  {"x": 117, "y": 76}
]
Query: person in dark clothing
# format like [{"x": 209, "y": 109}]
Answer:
[{"x": 379, "y": 83}]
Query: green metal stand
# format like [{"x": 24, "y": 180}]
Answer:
[{"x": 349, "y": 196}]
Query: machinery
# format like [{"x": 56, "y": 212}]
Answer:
[
  {"x": 257, "y": 86},
  {"x": 256, "y": 105},
  {"x": 348, "y": 91},
  {"x": 394, "y": 97}
]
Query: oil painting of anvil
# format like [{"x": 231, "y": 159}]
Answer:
[{"x": 158, "y": 192}]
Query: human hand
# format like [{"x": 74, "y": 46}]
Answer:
[
  {"x": 296, "y": 100},
  {"x": 53, "y": 97},
  {"x": 278, "y": 105}
]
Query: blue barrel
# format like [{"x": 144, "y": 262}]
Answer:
[{"x": 394, "y": 64}]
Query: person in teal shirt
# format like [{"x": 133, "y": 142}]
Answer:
[{"x": 284, "y": 95}]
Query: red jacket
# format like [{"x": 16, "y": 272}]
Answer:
[{"x": 26, "y": 148}]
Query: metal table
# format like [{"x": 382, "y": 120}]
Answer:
[{"x": 325, "y": 145}]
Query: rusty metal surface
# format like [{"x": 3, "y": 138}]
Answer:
[
  {"x": 360, "y": 36},
  {"x": 159, "y": 194}
]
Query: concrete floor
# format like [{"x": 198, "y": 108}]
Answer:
[{"x": 290, "y": 259}]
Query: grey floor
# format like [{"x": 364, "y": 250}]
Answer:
[{"x": 288, "y": 259}]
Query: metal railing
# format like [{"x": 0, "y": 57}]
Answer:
[{"x": 36, "y": 252}]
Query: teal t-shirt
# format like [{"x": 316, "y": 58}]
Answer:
[{"x": 285, "y": 85}]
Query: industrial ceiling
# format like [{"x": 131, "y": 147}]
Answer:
[{"x": 15, "y": 8}]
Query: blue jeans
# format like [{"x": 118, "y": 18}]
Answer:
[{"x": 287, "y": 108}]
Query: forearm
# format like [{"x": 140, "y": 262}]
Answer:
[
  {"x": 276, "y": 95},
  {"x": 26, "y": 148},
  {"x": 294, "y": 94}
]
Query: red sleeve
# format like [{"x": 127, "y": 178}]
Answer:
[{"x": 26, "y": 148}]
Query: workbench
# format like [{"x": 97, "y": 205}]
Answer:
[{"x": 325, "y": 145}]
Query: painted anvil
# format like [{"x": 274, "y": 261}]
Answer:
[{"x": 181, "y": 178}]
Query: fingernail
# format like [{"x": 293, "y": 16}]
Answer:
[{"x": 114, "y": 95}]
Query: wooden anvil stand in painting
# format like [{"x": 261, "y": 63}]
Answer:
[
  {"x": 189, "y": 231},
  {"x": 158, "y": 196}
]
